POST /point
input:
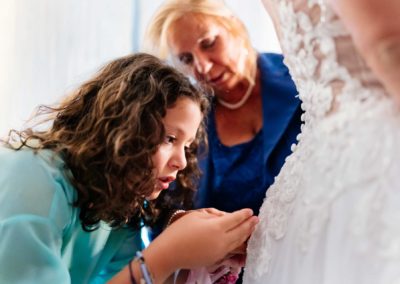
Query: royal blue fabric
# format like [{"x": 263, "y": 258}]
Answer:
[{"x": 237, "y": 177}]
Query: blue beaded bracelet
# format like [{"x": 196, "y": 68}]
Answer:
[{"x": 143, "y": 268}]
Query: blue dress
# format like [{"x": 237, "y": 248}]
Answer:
[
  {"x": 238, "y": 176},
  {"x": 41, "y": 238}
]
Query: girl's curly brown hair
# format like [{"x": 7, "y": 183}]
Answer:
[{"x": 107, "y": 132}]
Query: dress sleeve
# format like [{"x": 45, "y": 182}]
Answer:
[
  {"x": 33, "y": 213},
  {"x": 127, "y": 246}
]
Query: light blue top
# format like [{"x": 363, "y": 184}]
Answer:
[{"x": 41, "y": 238}]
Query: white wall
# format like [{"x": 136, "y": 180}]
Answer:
[
  {"x": 49, "y": 46},
  {"x": 258, "y": 23}
]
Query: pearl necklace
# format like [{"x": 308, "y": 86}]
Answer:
[{"x": 240, "y": 103}]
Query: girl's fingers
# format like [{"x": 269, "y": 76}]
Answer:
[
  {"x": 242, "y": 232},
  {"x": 240, "y": 249},
  {"x": 232, "y": 220},
  {"x": 214, "y": 211}
]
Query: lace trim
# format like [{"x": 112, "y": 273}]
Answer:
[{"x": 313, "y": 41}]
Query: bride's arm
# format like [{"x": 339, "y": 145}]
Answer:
[{"x": 375, "y": 28}]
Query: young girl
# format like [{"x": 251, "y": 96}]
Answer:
[{"x": 72, "y": 196}]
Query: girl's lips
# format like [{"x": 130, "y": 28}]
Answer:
[
  {"x": 164, "y": 185},
  {"x": 165, "y": 181}
]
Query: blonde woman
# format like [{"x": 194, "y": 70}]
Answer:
[{"x": 255, "y": 115}]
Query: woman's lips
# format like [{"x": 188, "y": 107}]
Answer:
[{"x": 219, "y": 79}]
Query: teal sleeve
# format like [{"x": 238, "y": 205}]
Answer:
[
  {"x": 33, "y": 214},
  {"x": 127, "y": 248}
]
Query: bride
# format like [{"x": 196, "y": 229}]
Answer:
[{"x": 333, "y": 213}]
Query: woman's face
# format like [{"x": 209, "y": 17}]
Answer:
[
  {"x": 207, "y": 50},
  {"x": 181, "y": 123}
]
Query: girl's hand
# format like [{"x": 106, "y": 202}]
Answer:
[
  {"x": 200, "y": 238},
  {"x": 180, "y": 213}
]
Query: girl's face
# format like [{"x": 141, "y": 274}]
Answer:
[
  {"x": 181, "y": 123},
  {"x": 208, "y": 50}
]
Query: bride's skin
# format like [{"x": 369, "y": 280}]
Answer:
[{"x": 375, "y": 29}]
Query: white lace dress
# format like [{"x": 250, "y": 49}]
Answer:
[{"x": 333, "y": 213}]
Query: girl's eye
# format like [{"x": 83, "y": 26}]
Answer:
[
  {"x": 186, "y": 58},
  {"x": 189, "y": 149},
  {"x": 169, "y": 139}
]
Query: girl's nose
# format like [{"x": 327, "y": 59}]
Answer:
[{"x": 178, "y": 160}]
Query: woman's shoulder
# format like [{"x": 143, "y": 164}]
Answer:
[{"x": 272, "y": 63}]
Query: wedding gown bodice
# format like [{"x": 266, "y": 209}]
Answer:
[
  {"x": 333, "y": 211},
  {"x": 321, "y": 56}
]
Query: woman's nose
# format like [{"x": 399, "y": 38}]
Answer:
[{"x": 202, "y": 65}]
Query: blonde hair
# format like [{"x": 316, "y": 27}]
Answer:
[{"x": 155, "y": 41}]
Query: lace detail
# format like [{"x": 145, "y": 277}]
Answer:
[
  {"x": 309, "y": 39},
  {"x": 347, "y": 152}
]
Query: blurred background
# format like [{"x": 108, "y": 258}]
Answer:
[{"x": 48, "y": 47}]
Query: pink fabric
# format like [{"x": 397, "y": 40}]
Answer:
[
  {"x": 201, "y": 275},
  {"x": 226, "y": 272}
]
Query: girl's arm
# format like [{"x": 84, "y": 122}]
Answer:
[
  {"x": 195, "y": 240},
  {"x": 375, "y": 28}
]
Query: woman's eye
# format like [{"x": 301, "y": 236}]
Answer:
[
  {"x": 208, "y": 43},
  {"x": 186, "y": 59}
]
